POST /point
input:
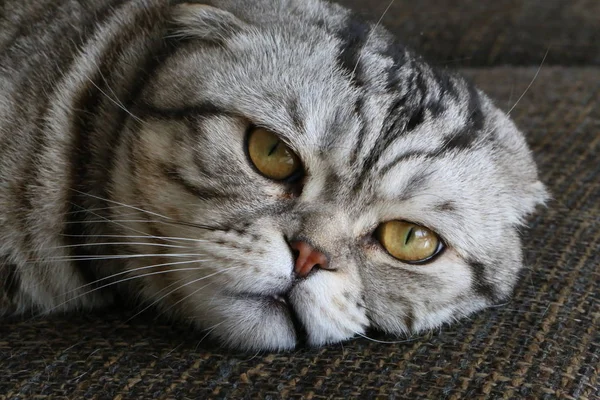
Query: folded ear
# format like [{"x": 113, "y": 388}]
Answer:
[{"x": 205, "y": 22}]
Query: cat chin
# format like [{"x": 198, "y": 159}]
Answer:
[
  {"x": 316, "y": 311},
  {"x": 251, "y": 323},
  {"x": 327, "y": 308}
]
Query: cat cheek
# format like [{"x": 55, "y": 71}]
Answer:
[
  {"x": 261, "y": 268},
  {"x": 251, "y": 324}
]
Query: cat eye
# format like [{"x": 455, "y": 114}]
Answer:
[
  {"x": 408, "y": 242},
  {"x": 271, "y": 156}
]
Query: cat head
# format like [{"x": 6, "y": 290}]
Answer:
[{"x": 305, "y": 173}]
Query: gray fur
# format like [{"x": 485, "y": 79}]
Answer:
[{"x": 124, "y": 122}]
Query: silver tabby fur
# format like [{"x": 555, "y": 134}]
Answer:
[{"x": 123, "y": 169}]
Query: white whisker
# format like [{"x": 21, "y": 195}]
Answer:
[
  {"x": 530, "y": 83},
  {"x": 122, "y": 215},
  {"x": 121, "y": 204},
  {"x": 113, "y": 257},
  {"x": 137, "y": 237},
  {"x": 119, "y": 244},
  {"x": 92, "y": 209},
  {"x": 116, "y": 223},
  {"x": 385, "y": 341},
  {"x": 181, "y": 287},
  {"x": 105, "y": 221},
  {"x": 186, "y": 297},
  {"x": 115, "y": 102},
  {"x": 369, "y": 37},
  {"x": 164, "y": 289},
  {"x": 209, "y": 331},
  {"x": 116, "y": 98},
  {"x": 135, "y": 270},
  {"x": 119, "y": 282}
]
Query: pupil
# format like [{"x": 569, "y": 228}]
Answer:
[
  {"x": 408, "y": 236},
  {"x": 273, "y": 148}
]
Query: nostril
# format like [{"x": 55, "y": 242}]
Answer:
[
  {"x": 307, "y": 258},
  {"x": 296, "y": 254}
]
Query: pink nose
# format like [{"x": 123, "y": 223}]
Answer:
[{"x": 307, "y": 258}]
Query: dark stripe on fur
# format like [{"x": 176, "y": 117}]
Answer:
[
  {"x": 416, "y": 183},
  {"x": 333, "y": 182},
  {"x": 466, "y": 138},
  {"x": 38, "y": 91},
  {"x": 416, "y": 119},
  {"x": 182, "y": 113},
  {"x": 354, "y": 36},
  {"x": 89, "y": 102},
  {"x": 409, "y": 319},
  {"x": 396, "y": 118},
  {"x": 29, "y": 182},
  {"x": 382, "y": 142},
  {"x": 62, "y": 58},
  {"x": 463, "y": 139},
  {"x": 9, "y": 278},
  {"x": 401, "y": 158},
  {"x": 402, "y": 118},
  {"x": 446, "y": 206},
  {"x": 294, "y": 111},
  {"x": 444, "y": 80},
  {"x": 480, "y": 285},
  {"x": 202, "y": 193},
  {"x": 89, "y": 136},
  {"x": 362, "y": 133},
  {"x": 399, "y": 54},
  {"x": 33, "y": 23},
  {"x": 476, "y": 117},
  {"x": 406, "y": 117}
]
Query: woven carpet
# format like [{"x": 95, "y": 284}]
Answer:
[
  {"x": 486, "y": 32},
  {"x": 543, "y": 344}
]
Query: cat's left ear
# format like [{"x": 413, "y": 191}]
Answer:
[{"x": 201, "y": 21}]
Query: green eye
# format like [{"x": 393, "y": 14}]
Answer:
[
  {"x": 271, "y": 156},
  {"x": 409, "y": 242}
]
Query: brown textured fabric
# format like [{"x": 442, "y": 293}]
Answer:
[
  {"x": 486, "y": 32},
  {"x": 543, "y": 344}
]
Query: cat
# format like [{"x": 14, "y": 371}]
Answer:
[{"x": 274, "y": 172}]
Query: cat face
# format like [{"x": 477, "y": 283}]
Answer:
[{"x": 308, "y": 176}]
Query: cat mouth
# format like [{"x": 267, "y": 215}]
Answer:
[
  {"x": 280, "y": 298},
  {"x": 282, "y": 303}
]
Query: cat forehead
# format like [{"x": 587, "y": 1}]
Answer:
[
  {"x": 279, "y": 81},
  {"x": 345, "y": 91},
  {"x": 310, "y": 53},
  {"x": 280, "y": 47},
  {"x": 344, "y": 96}
]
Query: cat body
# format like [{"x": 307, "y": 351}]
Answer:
[{"x": 126, "y": 166}]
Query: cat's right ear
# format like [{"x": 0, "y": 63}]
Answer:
[{"x": 201, "y": 21}]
